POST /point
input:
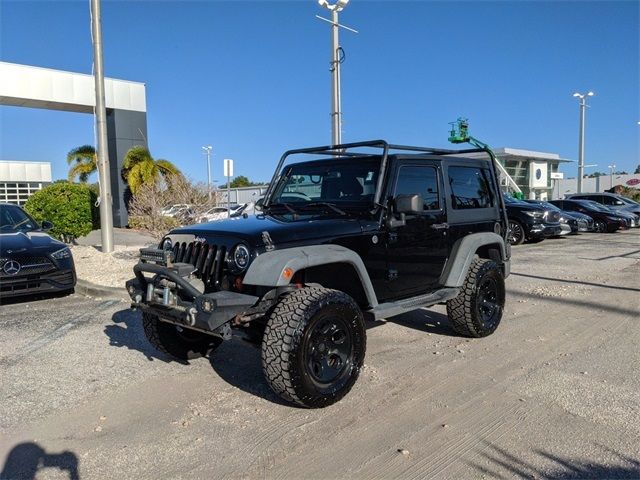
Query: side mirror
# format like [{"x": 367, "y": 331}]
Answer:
[
  {"x": 409, "y": 204},
  {"x": 46, "y": 225},
  {"x": 405, "y": 205}
]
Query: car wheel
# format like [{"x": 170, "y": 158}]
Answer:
[
  {"x": 599, "y": 226},
  {"x": 516, "y": 233},
  {"x": 180, "y": 343},
  {"x": 477, "y": 310},
  {"x": 313, "y": 346}
]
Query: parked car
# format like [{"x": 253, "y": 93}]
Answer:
[
  {"x": 218, "y": 213},
  {"x": 577, "y": 222},
  {"x": 611, "y": 200},
  {"x": 604, "y": 220},
  {"x": 530, "y": 222},
  {"x": 633, "y": 220},
  {"x": 174, "y": 210},
  {"x": 299, "y": 277},
  {"x": 31, "y": 261}
]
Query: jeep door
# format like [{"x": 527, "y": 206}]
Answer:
[{"x": 417, "y": 251}]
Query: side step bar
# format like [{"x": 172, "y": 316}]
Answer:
[{"x": 386, "y": 310}]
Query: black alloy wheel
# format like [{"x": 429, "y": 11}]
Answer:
[
  {"x": 599, "y": 226},
  {"x": 328, "y": 349},
  {"x": 489, "y": 302},
  {"x": 516, "y": 233}
]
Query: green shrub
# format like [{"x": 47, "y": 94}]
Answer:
[{"x": 69, "y": 206}]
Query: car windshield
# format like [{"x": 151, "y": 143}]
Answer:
[
  {"x": 14, "y": 219},
  {"x": 594, "y": 206},
  {"x": 327, "y": 186},
  {"x": 627, "y": 201},
  {"x": 512, "y": 200}
]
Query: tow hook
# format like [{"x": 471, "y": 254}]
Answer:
[{"x": 191, "y": 318}]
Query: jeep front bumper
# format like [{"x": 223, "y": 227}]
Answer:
[{"x": 173, "y": 298}]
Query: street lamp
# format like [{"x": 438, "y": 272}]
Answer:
[
  {"x": 337, "y": 57},
  {"x": 583, "y": 105},
  {"x": 207, "y": 151}
]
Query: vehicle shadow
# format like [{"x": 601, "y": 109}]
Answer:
[
  {"x": 34, "y": 297},
  {"x": 26, "y": 459},
  {"x": 127, "y": 332},
  {"x": 557, "y": 467},
  {"x": 239, "y": 363},
  {"x": 426, "y": 321}
]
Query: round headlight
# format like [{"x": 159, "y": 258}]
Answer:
[
  {"x": 240, "y": 258},
  {"x": 167, "y": 244}
]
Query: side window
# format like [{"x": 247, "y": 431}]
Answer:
[
  {"x": 470, "y": 188},
  {"x": 422, "y": 181}
]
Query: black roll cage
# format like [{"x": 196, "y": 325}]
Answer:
[{"x": 341, "y": 151}]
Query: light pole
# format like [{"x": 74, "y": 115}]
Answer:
[
  {"x": 611, "y": 169},
  {"x": 106, "y": 212},
  {"x": 583, "y": 105},
  {"x": 207, "y": 151},
  {"x": 337, "y": 57}
]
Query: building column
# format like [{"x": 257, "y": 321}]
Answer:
[{"x": 125, "y": 129}]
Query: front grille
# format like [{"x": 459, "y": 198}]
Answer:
[
  {"x": 207, "y": 259},
  {"x": 28, "y": 266}
]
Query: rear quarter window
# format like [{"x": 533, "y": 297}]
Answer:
[{"x": 471, "y": 188}]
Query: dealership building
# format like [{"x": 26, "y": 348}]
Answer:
[{"x": 19, "y": 180}]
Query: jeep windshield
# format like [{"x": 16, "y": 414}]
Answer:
[{"x": 326, "y": 187}]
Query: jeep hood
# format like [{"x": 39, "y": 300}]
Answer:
[{"x": 280, "y": 231}]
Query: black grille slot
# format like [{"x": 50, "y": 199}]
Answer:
[{"x": 208, "y": 260}]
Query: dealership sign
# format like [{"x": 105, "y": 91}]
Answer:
[{"x": 633, "y": 182}]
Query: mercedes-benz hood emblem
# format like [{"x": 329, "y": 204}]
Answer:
[{"x": 11, "y": 267}]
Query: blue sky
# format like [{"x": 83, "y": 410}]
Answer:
[{"x": 252, "y": 79}]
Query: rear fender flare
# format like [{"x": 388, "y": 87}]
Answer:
[{"x": 463, "y": 253}]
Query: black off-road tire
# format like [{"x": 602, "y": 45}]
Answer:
[
  {"x": 477, "y": 310},
  {"x": 182, "y": 344},
  {"x": 306, "y": 326}
]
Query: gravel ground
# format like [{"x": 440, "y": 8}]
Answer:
[
  {"x": 106, "y": 269},
  {"x": 554, "y": 393}
]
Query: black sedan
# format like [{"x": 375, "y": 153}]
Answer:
[
  {"x": 31, "y": 261},
  {"x": 604, "y": 220},
  {"x": 530, "y": 222},
  {"x": 578, "y": 222}
]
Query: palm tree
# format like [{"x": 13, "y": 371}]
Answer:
[
  {"x": 83, "y": 163},
  {"x": 140, "y": 168}
]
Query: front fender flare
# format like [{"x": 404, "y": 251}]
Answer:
[{"x": 267, "y": 269}]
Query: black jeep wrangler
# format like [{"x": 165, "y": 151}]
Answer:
[{"x": 362, "y": 228}]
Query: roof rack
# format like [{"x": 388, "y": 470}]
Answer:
[{"x": 342, "y": 151}]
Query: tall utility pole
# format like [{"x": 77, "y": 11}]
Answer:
[
  {"x": 583, "y": 106},
  {"x": 337, "y": 57},
  {"x": 336, "y": 104},
  {"x": 207, "y": 152},
  {"x": 106, "y": 202}
]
